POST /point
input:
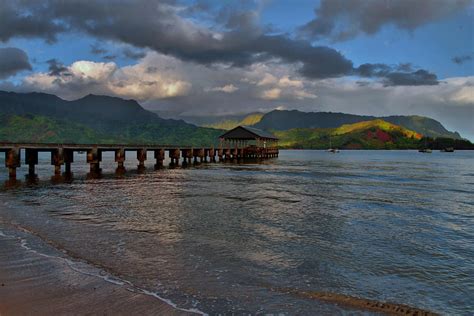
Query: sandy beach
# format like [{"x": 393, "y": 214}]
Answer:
[
  {"x": 42, "y": 282},
  {"x": 36, "y": 283}
]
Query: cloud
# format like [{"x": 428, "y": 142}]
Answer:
[
  {"x": 97, "y": 49},
  {"x": 342, "y": 20},
  {"x": 12, "y": 61},
  {"x": 283, "y": 87},
  {"x": 271, "y": 94},
  {"x": 162, "y": 80},
  {"x": 401, "y": 75},
  {"x": 416, "y": 78},
  {"x": 281, "y": 94},
  {"x": 109, "y": 57},
  {"x": 235, "y": 38},
  {"x": 84, "y": 77},
  {"x": 464, "y": 95},
  {"x": 28, "y": 19},
  {"x": 133, "y": 54},
  {"x": 285, "y": 81},
  {"x": 78, "y": 79},
  {"x": 158, "y": 25},
  {"x": 56, "y": 68},
  {"x": 462, "y": 59},
  {"x": 229, "y": 88}
]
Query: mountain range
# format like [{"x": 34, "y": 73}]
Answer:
[
  {"x": 283, "y": 120},
  {"x": 40, "y": 117},
  {"x": 48, "y": 118}
]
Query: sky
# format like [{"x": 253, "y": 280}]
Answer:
[{"x": 376, "y": 57}]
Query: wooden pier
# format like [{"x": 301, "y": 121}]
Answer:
[
  {"x": 62, "y": 155},
  {"x": 253, "y": 146}
]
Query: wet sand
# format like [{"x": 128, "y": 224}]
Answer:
[
  {"x": 34, "y": 283},
  {"x": 386, "y": 308}
]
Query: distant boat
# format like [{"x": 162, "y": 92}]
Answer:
[
  {"x": 332, "y": 150},
  {"x": 425, "y": 150},
  {"x": 447, "y": 150}
]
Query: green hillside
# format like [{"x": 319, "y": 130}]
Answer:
[
  {"x": 286, "y": 120},
  {"x": 41, "y": 129},
  {"x": 376, "y": 124},
  {"x": 374, "y": 134}
]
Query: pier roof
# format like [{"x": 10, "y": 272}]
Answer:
[{"x": 247, "y": 132}]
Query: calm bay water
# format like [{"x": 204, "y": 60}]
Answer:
[{"x": 393, "y": 226}]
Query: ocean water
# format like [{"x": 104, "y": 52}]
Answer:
[{"x": 392, "y": 226}]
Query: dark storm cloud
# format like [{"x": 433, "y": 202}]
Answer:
[
  {"x": 56, "y": 68},
  {"x": 344, "y": 19},
  {"x": 462, "y": 59},
  {"x": 12, "y": 61},
  {"x": 420, "y": 77},
  {"x": 316, "y": 61},
  {"x": 158, "y": 25},
  {"x": 19, "y": 18},
  {"x": 401, "y": 75},
  {"x": 373, "y": 70}
]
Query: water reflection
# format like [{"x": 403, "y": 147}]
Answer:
[
  {"x": 220, "y": 236},
  {"x": 12, "y": 184}
]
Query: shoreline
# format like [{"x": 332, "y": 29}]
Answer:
[
  {"x": 363, "y": 304},
  {"x": 33, "y": 282},
  {"x": 40, "y": 283}
]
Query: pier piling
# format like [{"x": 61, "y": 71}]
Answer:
[
  {"x": 198, "y": 153},
  {"x": 212, "y": 154},
  {"x": 141, "y": 156},
  {"x": 160, "y": 157},
  {"x": 12, "y": 161},
  {"x": 57, "y": 160},
  {"x": 68, "y": 160},
  {"x": 31, "y": 159},
  {"x": 94, "y": 157},
  {"x": 187, "y": 156},
  {"x": 120, "y": 160},
  {"x": 174, "y": 156}
]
